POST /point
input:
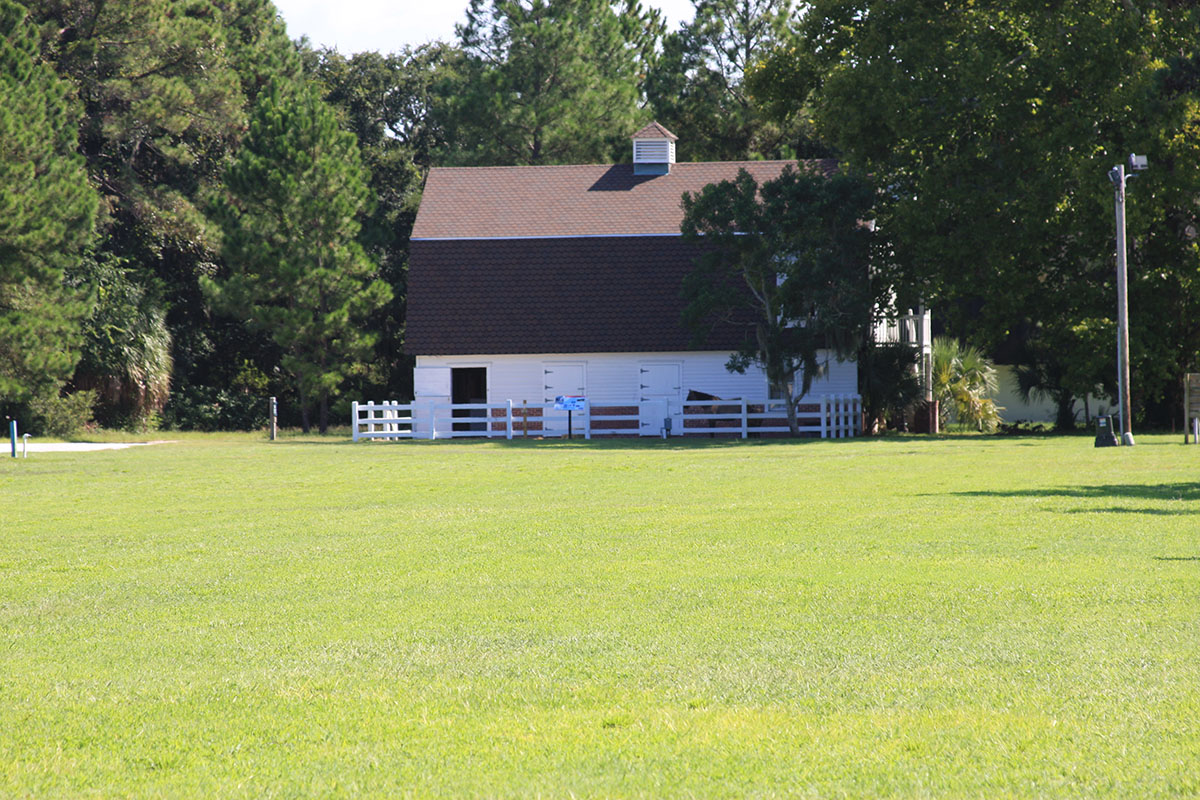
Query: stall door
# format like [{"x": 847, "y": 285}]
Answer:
[
  {"x": 561, "y": 379},
  {"x": 658, "y": 396}
]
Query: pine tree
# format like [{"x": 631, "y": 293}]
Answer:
[
  {"x": 47, "y": 218},
  {"x": 165, "y": 86},
  {"x": 295, "y": 268},
  {"x": 552, "y": 81}
]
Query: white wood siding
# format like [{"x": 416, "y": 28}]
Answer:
[{"x": 614, "y": 379}]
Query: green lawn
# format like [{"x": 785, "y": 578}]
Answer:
[{"x": 227, "y": 617}]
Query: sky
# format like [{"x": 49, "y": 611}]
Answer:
[{"x": 353, "y": 26}]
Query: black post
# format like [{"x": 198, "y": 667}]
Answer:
[{"x": 568, "y": 423}]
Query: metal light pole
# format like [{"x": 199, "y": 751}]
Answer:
[{"x": 1118, "y": 177}]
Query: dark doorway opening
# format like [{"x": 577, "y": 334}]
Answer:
[{"x": 469, "y": 385}]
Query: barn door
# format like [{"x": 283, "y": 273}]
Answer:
[
  {"x": 658, "y": 396},
  {"x": 468, "y": 385},
  {"x": 560, "y": 379}
]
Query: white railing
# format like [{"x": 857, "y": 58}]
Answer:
[
  {"x": 387, "y": 420},
  {"x": 831, "y": 416},
  {"x": 905, "y": 328},
  {"x": 837, "y": 416}
]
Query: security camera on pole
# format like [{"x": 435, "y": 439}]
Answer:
[{"x": 1118, "y": 177}]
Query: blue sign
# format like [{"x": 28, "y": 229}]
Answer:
[{"x": 570, "y": 402}]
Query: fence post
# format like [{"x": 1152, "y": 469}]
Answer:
[
  {"x": 823, "y": 407},
  {"x": 353, "y": 419},
  {"x": 432, "y": 420},
  {"x": 745, "y": 424},
  {"x": 587, "y": 422},
  {"x": 274, "y": 418}
]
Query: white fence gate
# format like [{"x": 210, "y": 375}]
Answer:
[{"x": 837, "y": 416}]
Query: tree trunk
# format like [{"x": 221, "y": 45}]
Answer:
[
  {"x": 793, "y": 423},
  {"x": 305, "y": 424},
  {"x": 323, "y": 413},
  {"x": 1065, "y": 416}
]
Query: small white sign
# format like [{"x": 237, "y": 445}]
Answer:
[{"x": 570, "y": 402}]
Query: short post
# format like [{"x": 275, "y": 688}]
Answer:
[
  {"x": 508, "y": 427},
  {"x": 353, "y": 420},
  {"x": 25, "y": 445},
  {"x": 12, "y": 432},
  {"x": 824, "y": 416},
  {"x": 587, "y": 430},
  {"x": 1195, "y": 430},
  {"x": 275, "y": 419},
  {"x": 568, "y": 423},
  {"x": 524, "y": 419},
  {"x": 432, "y": 420}
]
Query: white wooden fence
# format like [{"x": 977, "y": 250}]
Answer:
[{"x": 836, "y": 416}]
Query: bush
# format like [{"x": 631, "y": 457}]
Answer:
[
  {"x": 62, "y": 416},
  {"x": 205, "y": 408},
  {"x": 888, "y": 381}
]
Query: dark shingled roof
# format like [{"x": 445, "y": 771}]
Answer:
[
  {"x": 583, "y": 200},
  {"x": 558, "y": 259},
  {"x": 552, "y": 296}
]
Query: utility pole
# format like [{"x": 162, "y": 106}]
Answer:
[{"x": 1118, "y": 177}]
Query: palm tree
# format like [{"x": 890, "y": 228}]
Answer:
[
  {"x": 126, "y": 355},
  {"x": 963, "y": 379}
]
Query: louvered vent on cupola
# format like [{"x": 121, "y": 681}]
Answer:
[{"x": 653, "y": 150}]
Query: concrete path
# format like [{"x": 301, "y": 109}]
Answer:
[{"x": 80, "y": 447}]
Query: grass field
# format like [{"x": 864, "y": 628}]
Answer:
[{"x": 966, "y": 617}]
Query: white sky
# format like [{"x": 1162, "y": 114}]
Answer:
[{"x": 353, "y": 26}]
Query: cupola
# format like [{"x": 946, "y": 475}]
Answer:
[{"x": 653, "y": 150}]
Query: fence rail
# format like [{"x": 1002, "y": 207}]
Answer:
[{"x": 831, "y": 416}]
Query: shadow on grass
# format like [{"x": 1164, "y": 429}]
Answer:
[
  {"x": 1177, "y": 558},
  {"x": 1161, "y": 512},
  {"x": 1177, "y": 492},
  {"x": 1183, "y": 490}
]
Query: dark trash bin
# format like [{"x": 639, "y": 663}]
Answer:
[{"x": 1104, "y": 432}]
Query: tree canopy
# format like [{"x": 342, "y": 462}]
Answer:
[
  {"x": 991, "y": 127},
  {"x": 295, "y": 269},
  {"x": 789, "y": 262},
  {"x": 551, "y": 81},
  {"x": 47, "y": 218},
  {"x": 700, "y": 83}
]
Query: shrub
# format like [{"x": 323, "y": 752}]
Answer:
[
  {"x": 206, "y": 408},
  {"x": 62, "y": 416}
]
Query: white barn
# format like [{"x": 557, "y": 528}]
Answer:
[{"x": 526, "y": 283}]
